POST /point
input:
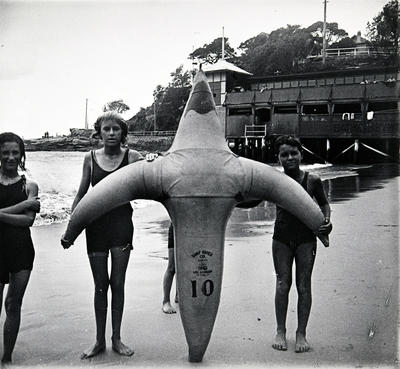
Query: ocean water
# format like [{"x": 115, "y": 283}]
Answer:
[{"x": 58, "y": 175}]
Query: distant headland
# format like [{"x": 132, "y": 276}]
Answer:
[{"x": 82, "y": 140}]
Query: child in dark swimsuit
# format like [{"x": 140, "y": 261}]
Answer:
[
  {"x": 18, "y": 207},
  {"x": 292, "y": 240},
  {"x": 111, "y": 233}
]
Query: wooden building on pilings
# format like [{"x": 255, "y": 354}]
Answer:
[{"x": 340, "y": 116}]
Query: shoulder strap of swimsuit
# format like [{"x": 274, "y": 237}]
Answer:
[
  {"x": 125, "y": 160},
  {"x": 305, "y": 181},
  {"x": 93, "y": 162}
]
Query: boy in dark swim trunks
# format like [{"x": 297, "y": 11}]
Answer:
[
  {"x": 292, "y": 240},
  {"x": 167, "y": 308}
]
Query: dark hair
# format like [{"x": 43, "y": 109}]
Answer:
[
  {"x": 287, "y": 140},
  {"x": 12, "y": 137},
  {"x": 114, "y": 116}
]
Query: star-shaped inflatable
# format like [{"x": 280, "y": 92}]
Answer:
[{"x": 199, "y": 181}]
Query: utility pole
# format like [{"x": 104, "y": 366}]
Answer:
[
  {"x": 324, "y": 36},
  {"x": 86, "y": 120},
  {"x": 155, "y": 121},
  {"x": 223, "y": 45}
]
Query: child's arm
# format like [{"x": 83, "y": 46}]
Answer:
[
  {"x": 134, "y": 156},
  {"x": 322, "y": 200},
  {"x": 23, "y": 206},
  {"x": 85, "y": 180},
  {"x": 26, "y": 219}
]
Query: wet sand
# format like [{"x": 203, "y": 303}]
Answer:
[{"x": 354, "y": 319}]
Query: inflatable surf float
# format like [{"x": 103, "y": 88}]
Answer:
[{"x": 199, "y": 181}]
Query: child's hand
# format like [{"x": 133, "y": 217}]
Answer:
[
  {"x": 324, "y": 239},
  {"x": 32, "y": 204},
  {"x": 323, "y": 232},
  {"x": 325, "y": 228},
  {"x": 65, "y": 243},
  {"x": 151, "y": 156}
]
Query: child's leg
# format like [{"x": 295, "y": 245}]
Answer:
[
  {"x": 283, "y": 261},
  {"x": 119, "y": 264},
  {"x": 13, "y": 303},
  {"x": 98, "y": 263},
  {"x": 305, "y": 257},
  {"x": 1, "y": 296},
  {"x": 167, "y": 283}
]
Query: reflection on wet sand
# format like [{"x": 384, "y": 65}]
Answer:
[{"x": 341, "y": 184}]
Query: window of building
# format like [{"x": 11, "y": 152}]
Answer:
[
  {"x": 277, "y": 84},
  {"x": 321, "y": 82},
  {"x": 358, "y": 79},
  {"x": 312, "y": 82},
  {"x": 303, "y": 83},
  {"x": 339, "y": 80},
  {"x": 380, "y": 77},
  {"x": 239, "y": 111},
  {"x": 285, "y": 109},
  {"x": 381, "y": 106},
  {"x": 330, "y": 81},
  {"x": 315, "y": 109},
  {"x": 270, "y": 85},
  {"x": 286, "y": 84},
  {"x": 349, "y": 79},
  {"x": 294, "y": 83},
  {"x": 369, "y": 78},
  {"x": 347, "y": 108},
  {"x": 263, "y": 115}
]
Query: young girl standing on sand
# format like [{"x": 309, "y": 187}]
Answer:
[
  {"x": 292, "y": 240},
  {"x": 18, "y": 205},
  {"x": 111, "y": 233}
]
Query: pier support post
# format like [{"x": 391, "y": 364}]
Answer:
[
  {"x": 355, "y": 152},
  {"x": 328, "y": 149}
]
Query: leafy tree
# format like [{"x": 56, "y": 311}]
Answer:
[
  {"x": 279, "y": 51},
  {"x": 333, "y": 33},
  {"x": 210, "y": 53},
  {"x": 343, "y": 43},
  {"x": 141, "y": 121},
  {"x": 118, "y": 105},
  {"x": 383, "y": 31},
  {"x": 167, "y": 106},
  {"x": 180, "y": 78}
]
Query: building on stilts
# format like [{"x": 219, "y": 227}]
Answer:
[{"x": 347, "y": 116}]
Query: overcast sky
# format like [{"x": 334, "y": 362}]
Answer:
[{"x": 54, "y": 54}]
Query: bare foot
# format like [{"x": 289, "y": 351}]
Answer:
[
  {"x": 93, "y": 351},
  {"x": 5, "y": 360},
  {"x": 280, "y": 341},
  {"x": 301, "y": 343},
  {"x": 121, "y": 349},
  {"x": 167, "y": 308}
]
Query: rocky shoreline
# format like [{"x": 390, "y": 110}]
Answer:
[{"x": 81, "y": 140}]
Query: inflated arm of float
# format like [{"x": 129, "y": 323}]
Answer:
[
  {"x": 269, "y": 184},
  {"x": 138, "y": 180}
]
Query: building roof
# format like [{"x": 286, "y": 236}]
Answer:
[{"x": 222, "y": 64}]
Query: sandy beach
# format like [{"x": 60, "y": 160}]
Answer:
[{"x": 354, "y": 319}]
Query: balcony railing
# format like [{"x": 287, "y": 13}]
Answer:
[
  {"x": 255, "y": 130},
  {"x": 354, "y": 51}
]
